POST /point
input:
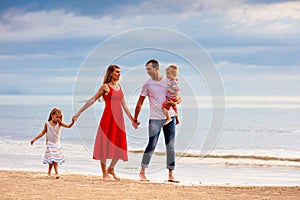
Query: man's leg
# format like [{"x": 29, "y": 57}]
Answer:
[
  {"x": 169, "y": 133},
  {"x": 154, "y": 131}
]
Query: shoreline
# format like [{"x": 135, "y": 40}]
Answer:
[{"x": 16, "y": 184}]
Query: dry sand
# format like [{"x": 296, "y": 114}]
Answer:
[{"x": 36, "y": 185}]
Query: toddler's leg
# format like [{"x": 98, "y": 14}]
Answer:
[
  {"x": 168, "y": 118},
  {"x": 176, "y": 117}
]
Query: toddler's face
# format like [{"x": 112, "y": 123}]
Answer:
[{"x": 170, "y": 75}]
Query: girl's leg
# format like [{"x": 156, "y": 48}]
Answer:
[
  {"x": 104, "y": 171},
  {"x": 110, "y": 169},
  {"x": 49, "y": 169},
  {"x": 55, "y": 165}
]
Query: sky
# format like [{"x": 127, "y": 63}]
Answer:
[{"x": 254, "y": 45}]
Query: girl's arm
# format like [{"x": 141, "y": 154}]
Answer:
[
  {"x": 67, "y": 125},
  {"x": 102, "y": 91},
  {"x": 39, "y": 135}
]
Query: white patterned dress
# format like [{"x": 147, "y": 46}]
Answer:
[{"x": 53, "y": 152}]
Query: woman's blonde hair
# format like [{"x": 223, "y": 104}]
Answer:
[{"x": 109, "y": 71}]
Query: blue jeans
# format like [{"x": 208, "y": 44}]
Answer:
[{"x": 154, "y": 132}]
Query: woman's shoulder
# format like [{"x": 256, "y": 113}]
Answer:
[{"x": 104, "y": 87}]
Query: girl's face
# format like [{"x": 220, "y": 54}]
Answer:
[
  {"x": 57, "y": 117},
  {"x": 116, "y": 75},
  {"x": 170, "y": 75}
]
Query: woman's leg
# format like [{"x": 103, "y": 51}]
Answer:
[
  {"x": 111, "y": 169},
  {"x": 104, "y": 171}
]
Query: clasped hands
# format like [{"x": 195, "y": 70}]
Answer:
[{"x": 135, "y": 124}]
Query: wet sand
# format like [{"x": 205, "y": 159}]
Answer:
[{"x": 36, "y": 185}]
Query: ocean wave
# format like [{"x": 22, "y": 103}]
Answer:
[{"x": 225, "y": 156}]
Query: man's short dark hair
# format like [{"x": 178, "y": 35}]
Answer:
[{"x": 154, "y": 63}]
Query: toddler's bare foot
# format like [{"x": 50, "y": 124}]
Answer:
[
  {"x": 177, "y": 120},
  {"x": 168, "y": 121},
  {"x": 111, "y": 171}
]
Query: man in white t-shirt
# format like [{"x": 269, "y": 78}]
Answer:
[{"x": 155, "y": 89}]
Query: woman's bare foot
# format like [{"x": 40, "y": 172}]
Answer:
[
  {"x": 143, "y": 177},
  {"x": 168, "y": 121},
  {"x": 111, "y": 171},
  {"x": 107, "y": 177}
]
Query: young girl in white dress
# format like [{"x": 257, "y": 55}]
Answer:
[{"x": 53, "y": 155}]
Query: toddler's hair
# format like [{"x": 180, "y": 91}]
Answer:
[
  {"x": 53, "y": 112},
  {"x": 173, "y": 69}
]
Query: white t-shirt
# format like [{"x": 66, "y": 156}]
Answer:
[{"x": 156, "y": 92}]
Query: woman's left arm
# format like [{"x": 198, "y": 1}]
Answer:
[{"x": 127, "y": 111}]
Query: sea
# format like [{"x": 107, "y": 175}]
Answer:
[{"x": 257, "y": 144}]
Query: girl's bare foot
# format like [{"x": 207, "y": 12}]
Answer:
[
  {"x": 111, "y": 171},
  {"x": 143, "y": 177},
  {"x": 56, "y": 176}
]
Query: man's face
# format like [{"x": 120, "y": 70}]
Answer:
[{"x": 150, "y": 70}]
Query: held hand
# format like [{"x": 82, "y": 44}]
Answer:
[
  {"x": 135, "y": 124},
  {"x": 32, "y": 141},
  {"x": 75, "y": 117}
]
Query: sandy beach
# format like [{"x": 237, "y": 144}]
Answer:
[{"x": 36, "y": 185}]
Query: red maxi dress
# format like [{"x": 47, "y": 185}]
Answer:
[{"x": 110, "y": 142}]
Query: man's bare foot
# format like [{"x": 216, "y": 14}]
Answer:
[
  {"x": 111, "y": 171},
  {"x": 172, "y": 179},
  {"x": 143, "y": 177},
  {"x": 168, "y": 121},
  {"x": 108, "y": 178}
]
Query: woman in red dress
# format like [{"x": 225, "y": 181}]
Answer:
[{"x": 110, "y": 142}]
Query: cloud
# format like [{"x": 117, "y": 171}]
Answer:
[
  {"x": 54, "y": 24},
  {"x": 283, "y": 17},
  {"x": 196, "y": 18}
]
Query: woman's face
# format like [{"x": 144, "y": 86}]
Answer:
[{"x": 116, "y": 74}]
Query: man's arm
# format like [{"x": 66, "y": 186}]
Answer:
[{"x": 138, "y": 107}]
